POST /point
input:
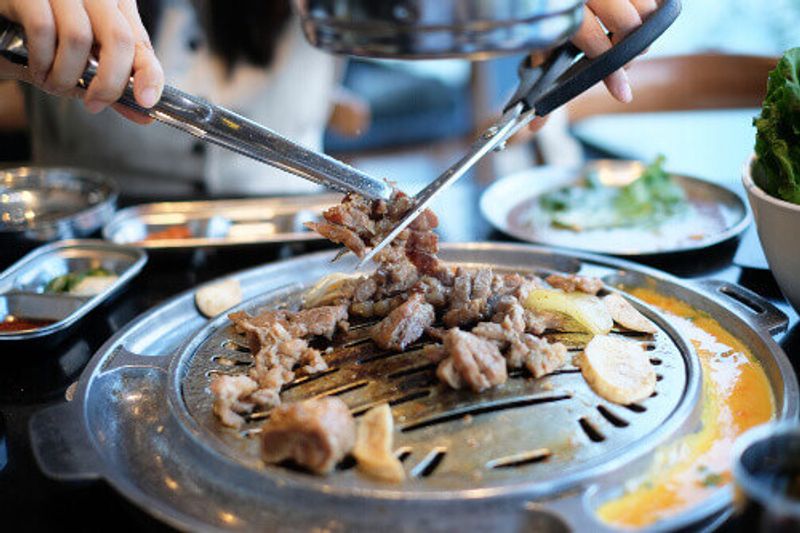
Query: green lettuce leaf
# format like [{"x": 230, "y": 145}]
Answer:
[{"x": 777, "y": 169}]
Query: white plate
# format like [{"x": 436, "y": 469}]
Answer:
[{"x": 716, "y": 215}]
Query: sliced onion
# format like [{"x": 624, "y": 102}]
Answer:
[{"x": 587, "y": 310}]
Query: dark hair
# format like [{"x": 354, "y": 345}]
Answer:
[{"x": 236, "y": 30}]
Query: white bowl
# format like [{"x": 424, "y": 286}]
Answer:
[{"x": 778, "y": 224}]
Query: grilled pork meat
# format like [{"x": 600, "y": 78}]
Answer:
[
  {"x": 405, "y": 324},
  {"x": 231, "y": 398},
  {"x": 260, "y": 330},
  {"x": 575, "y": 283},
  {"x": 278, "y": 347},
  {"x": 408, "y": 290},
  {"x": 359, "y": 225},
  {"x": 315, "y": 434},
  {"x": 536, "y": 354},
  {"x": 471, "y": 361}
]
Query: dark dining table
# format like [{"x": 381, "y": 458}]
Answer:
[{"x": 32, "y": 381}]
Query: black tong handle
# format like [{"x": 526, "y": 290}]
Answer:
[{"x": 561, "y": 78}]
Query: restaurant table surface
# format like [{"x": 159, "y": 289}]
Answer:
[{"x": 32, "y": 381}]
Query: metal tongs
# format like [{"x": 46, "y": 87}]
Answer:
[
  {"x": 566, "y": 74},
  {"x": 217, "y": 125}
]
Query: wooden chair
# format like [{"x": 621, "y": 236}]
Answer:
[
  {"x": 680, "y": 83},
  {"x": 671, "y": 83}
]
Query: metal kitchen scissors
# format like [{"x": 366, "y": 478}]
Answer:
[{"x": 566, "y": 74}]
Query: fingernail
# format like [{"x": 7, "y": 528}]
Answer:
[
  {"x": 625, "y": 91},
  {"x": 94, "y": 107},
  {"x": 148, "y": 97}
]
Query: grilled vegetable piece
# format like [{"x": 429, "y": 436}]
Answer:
[
  {"x": 617, "y": 369},
  {"x": 331, "y": 289},
  {"x": 213, "y": 299},
  {"x": 315, "y": 434},
  {"x": 373, "y": 449},
  {"x": 587, "y": 310},
  {"x": 626, "y": 314},
  {"x": 67, "y": 282}
]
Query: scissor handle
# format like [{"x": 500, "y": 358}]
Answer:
[{"x": 561, "y": 78}]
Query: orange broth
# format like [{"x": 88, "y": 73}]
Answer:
[{"x": 736, "y": 396}]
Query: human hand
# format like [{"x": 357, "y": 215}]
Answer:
[
  {"x": 620, "y": 17},
  {"x": 61, "y": 36}
]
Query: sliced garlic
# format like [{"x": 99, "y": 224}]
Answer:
[
  {"x": 585, "y": 309},
  {"x": 626, "y": 314},
  {"x": 617, "y": 369},
  {"x": 213, "y": 299},
  {"x": 373, "y": 449}
]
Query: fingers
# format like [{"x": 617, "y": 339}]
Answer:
[
  {"x": 74, "y": 46},
  {"x": 592, "y": 39},
  {"x": 148, "y": 76},
  {"x": 37, "y": 19},
  {"x": 130, "y": 114},
  {"x": 117, "y": 46},
  {"x": 619, "y": 16},
  {"x": 537, "y": 123},
  {"x": 645, "y": 7}
]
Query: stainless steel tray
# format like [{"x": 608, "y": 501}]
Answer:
[
  {"x": 134, "y": 391},
  {"x": 22, "y": 285},
  {"x": 717, "y": 214},
  {"x": 220, "y": 222},
  {"x": 39, "y": 205}
]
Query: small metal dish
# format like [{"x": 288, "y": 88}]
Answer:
[
  {"x": 715, "y": 215},
  {"x": 39, "y": 205},
  {"x": 218, "y": 223},
  {"x": 22, "y": 286}
]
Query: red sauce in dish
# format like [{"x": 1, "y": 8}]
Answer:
[
  {"x": 13, "y": 323},
  {"x": 174, "y": 232}
]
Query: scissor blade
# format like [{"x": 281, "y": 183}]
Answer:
[{"x": 513, "y": 120}]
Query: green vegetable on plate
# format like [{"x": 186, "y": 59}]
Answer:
[
  {"x": 648, "y": 200},
  {"x": 67, "y": 282},
  {"x": 777, "y": 168}
]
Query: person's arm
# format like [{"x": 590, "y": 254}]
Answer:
[{"x": 62, "y": 34}]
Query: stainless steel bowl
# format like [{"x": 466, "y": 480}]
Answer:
[
  {"x": 39, "y": 205},
  {"x": 419, "y": 29}
]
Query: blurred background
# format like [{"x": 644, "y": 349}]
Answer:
[{"x": 416, "y": 117}]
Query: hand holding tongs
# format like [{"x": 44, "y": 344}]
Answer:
[{"x": 217, "y": 125}]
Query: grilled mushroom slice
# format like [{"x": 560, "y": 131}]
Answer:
[
  {"x": 626, "y": 314},
  {"x": 617, "y": 369}
]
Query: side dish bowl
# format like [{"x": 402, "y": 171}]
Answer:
[{"x": 777, "y": 221}]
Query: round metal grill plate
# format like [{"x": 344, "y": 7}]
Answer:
[{"x": 140, "y": 419}]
